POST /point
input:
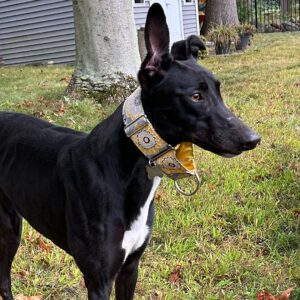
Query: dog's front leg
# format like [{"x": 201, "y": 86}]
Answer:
[
  {"x": 96, "y": 276},
  {"x": 97, "y": 291},
  {"x": 126, "y": 280},
  {"x": 127, "y": 277}
]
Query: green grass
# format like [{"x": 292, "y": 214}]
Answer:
[{"x": 241, "y": 233}]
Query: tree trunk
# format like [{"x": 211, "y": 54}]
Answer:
[
  {"x": 285, "y": 7},
  {"x": 106, "y": 44},
  {"x": 220, "y": 12}
]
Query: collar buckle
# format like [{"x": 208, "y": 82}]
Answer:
[
  {"x": 161, "y": 153},
  {"x": 136, "y": 125}
]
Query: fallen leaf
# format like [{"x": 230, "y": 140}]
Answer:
[
  {"x": 22, "y": 277},
  {"x": 43, "y": 245},
  {"x": 286, "y": 294},
  {"x": 175, "y": 276},
  {"x": 158, "y": 196},
  {"x": 62, "y": 108},
  {"x": 67, "y": 78},
  {"x": 22, "y": 273},
  {"x": 212, "y": 186},
  {"x": 264, "y": 295}
]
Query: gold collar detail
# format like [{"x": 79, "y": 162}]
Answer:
[{"x": 176, "y": 162}]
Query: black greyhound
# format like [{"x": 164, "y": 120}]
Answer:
[{"x": 90, "y": 194}]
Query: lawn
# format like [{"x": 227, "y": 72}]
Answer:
[{"x": 240, "y": 233}]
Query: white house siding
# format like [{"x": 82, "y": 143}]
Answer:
[
  {"x": 33, "y": 31},
  {"x": 190, "y": 20},
  {"x": 140, "y": 14},
  {"x": 189, "y": 16}
]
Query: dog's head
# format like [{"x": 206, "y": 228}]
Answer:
[{"x": 182, "y": 99}]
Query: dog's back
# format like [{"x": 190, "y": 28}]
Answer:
[{"x": 30, "y": 147}]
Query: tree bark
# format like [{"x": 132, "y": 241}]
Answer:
[
  {"x": 285, "y": 7},
  {"x": 106, "y": 43},
  {"x": 220, "y": 12}
]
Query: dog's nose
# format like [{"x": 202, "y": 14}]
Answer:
[{"x": 251, "y": 142}]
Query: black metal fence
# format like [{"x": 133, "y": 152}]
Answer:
[{"x": 270, "y": 15}]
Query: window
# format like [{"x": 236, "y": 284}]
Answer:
[
  {"x": 139, "y": 2},
  {"x": 188, "y": 1}
]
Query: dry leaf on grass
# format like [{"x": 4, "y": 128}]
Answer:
[
  {"x": 266, "y": 296},
  {"x": 286, "y": 294},
  {"x": 158, "y": 196},
  {"x": 43, "y": 245},
  {"x": 62, "y": 108},
  {"x": 67, "y": 78},
  {"x": 21, "y": 276},
  {"x": 175, "y": 276}
]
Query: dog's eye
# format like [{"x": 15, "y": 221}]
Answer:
[{"x": 196, "y": 97}]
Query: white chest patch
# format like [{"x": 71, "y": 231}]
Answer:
[{"x": 134, "y": 238}]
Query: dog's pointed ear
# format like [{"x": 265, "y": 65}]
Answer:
[
  {"x": 185, "y": 49},
  {"x": 157, "y": 37},
  {"x": 157, "y": 40}
]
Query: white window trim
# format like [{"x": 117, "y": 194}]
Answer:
[
  {"x": 197, "y": 17},
  {"x": 188, "y": 3},
  {"x": 138, "y": 4}
]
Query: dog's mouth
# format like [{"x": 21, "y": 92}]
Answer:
[
  {"x": 219, "y": 151},
  {"x": 226, "y": 147},
  {"x": 224, "y": 153},
  {"x": 229, "y": 155}
]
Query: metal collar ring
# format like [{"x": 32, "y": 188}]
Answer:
[{"x": 181, "y": 191}]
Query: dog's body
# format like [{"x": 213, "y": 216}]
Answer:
[
  {"x": 91, "y": 190},
  {"x": 90, "y": 194}
]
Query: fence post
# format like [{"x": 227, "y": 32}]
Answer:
[{"x": 256, "y": 16}]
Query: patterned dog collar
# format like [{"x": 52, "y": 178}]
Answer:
[{"x": 176, "y": 162}]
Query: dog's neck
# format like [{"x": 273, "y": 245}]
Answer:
[
  {"x": 120, "y": 163},
  {"x": 109, "y": 143},
  {"x": 175, "y": 162}
]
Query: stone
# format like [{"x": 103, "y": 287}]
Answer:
[
  {"x": 289, "y": 26},
  {"x": 269, "y": 28}
]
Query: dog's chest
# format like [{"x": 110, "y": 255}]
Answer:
[{"x": 135, "y": 237}]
